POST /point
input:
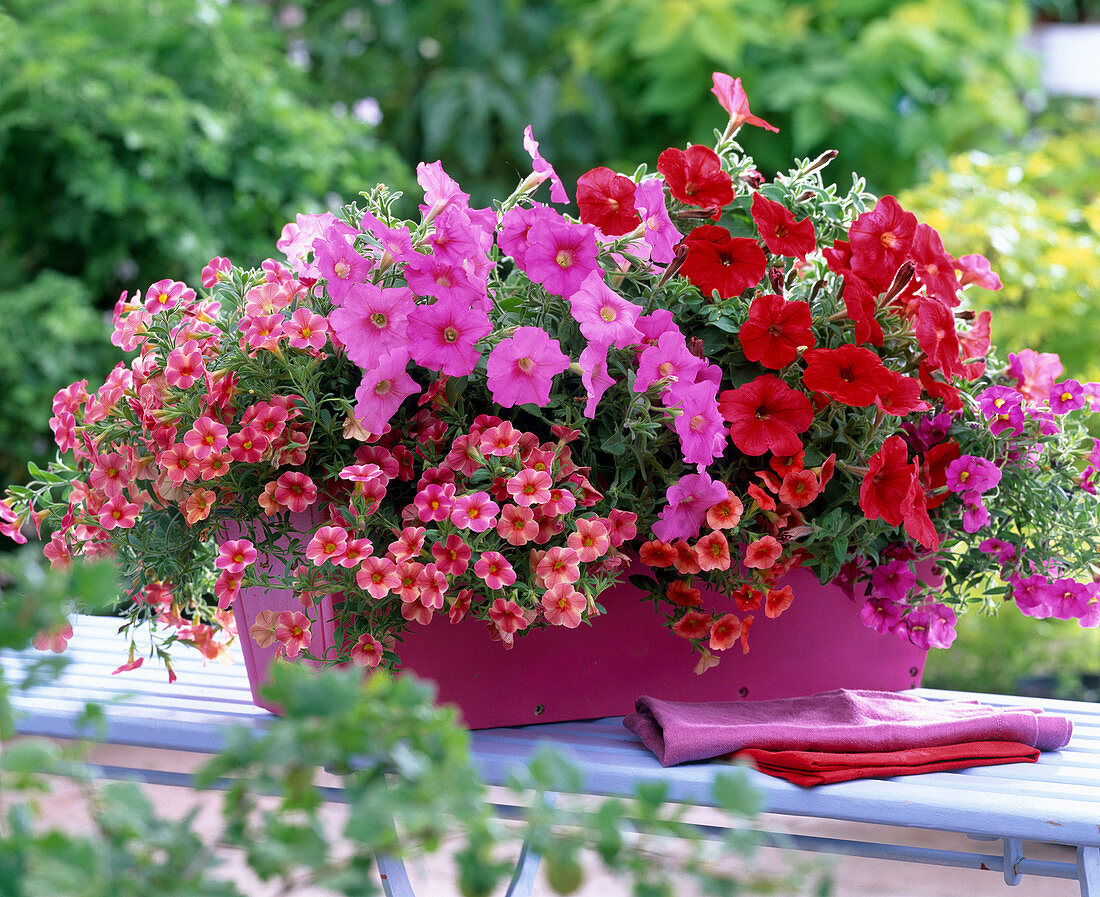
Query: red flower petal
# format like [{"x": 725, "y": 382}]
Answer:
[
  {"x": 695, "y": 177},
  {"x": 775, "y": 330},
  {"x": 766, "y": 415},
  {"x": 716, "y": 260},
  {"x": 779, "y": 231},
  {"x": 606, "y": 200},
  {"x": 851, "y": 374}
]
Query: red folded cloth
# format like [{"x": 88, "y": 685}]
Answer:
[
  {"x": 840, "y": 721},
  {"x": 823, "y": 767}
]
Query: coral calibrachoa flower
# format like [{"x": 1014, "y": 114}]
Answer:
[{"x": 487, "y": 412}]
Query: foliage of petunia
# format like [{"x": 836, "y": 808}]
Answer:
[{"x": 492, "y": 412}]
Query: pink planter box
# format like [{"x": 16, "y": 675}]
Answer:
[{"x": 819, "y": 643}]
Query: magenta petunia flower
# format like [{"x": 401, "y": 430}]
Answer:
[
  {"x": 670, "y": 357},
  {"x": 972, "y": 474},
  {"x": 541, "y": 167},
  {"x": 700, "y": 425},
  {"x": 688, "y": 499},
  {"x": 396, "y": 242},
  {"x": 372, "y": 322},
  {"x": 338, "y": 262},
  {"x": 893, "y": 580},
  {"x": 521, "y": 369},
  {"x": 975, "y": 513},
  {"x": 515, "y": 228},
  {"x": 296, "y": 240},
  {"x": 603, "y": 315},
  {"x": 1067, "y": 396},
  {"x": 660, "y": 233},
  {"x": 427, "y": 275},
  {"x": 443, "y": 337},
  {"x": 382, "y": 391},
  {"x": 1035, "y": 372},
  {"x": 440, "y": 189},
  {"x": 881, "y": 614},
  {"x": 560, "y": 254},
  {"x": 594, "y": 376}
]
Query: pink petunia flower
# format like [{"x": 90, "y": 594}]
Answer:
[
  {"x": 603, "y": 315},
  {"x": 247, "y": 446},
  {"x": 338, "y": 262},
  {"x": 443, "y": 337},
  {"x": 543, "y": 169},
  {"x": 688, "y": 499},
  {"x": 700, "y": 425},
  {"x": 521, "y": 369},
  {"x": 372, "y": 321},
  {"x": 206, "y": 437},
  {"x": 382, "y": 390},
  {"x": 452, "y": 555},
  {"x": 185, "y": 366},
  {"x": 660, "y": 233},
  {"x": 164, "y": 295},
  {"x": 216, "y": 270},
  {"x": 594, "y": 376},
  {"x": 118, "y": 512},
  {"x": 560, "y": 254},
  {"x": 893, "y": 580}
]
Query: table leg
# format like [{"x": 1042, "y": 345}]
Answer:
[
  {"x": 1088, "y": 871},
  {"x": 395, "y": 879},
  {"x": 527, "y": 867}
]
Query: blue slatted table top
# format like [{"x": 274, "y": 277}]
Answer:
[{"x": 1055, "y": 800}]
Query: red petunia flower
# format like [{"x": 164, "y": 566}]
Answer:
[
  {"x": 695, "y": 177},
  {"x": 887, "y": 481},
  {"x": 938, "y": 389},
  {"x": 903, "y": 399},
  {"x": 779, "y": 231},
  {"x": 936, "y": 335},
  {"x": 775, "y": 330},
  {"x": 891, "y": 490},
  {"x": 851, "y": 375},
  {"x": 766, "y": 415},
  {"x": 881, "y": 240},
  {"x": 606, "y": 200},
  {"x": 716, "y": 260},
  {"x": 858, "y": 294},
  {"x": 934, "y": 268}
]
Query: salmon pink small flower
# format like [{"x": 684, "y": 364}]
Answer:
[
  {"x": 295, "y": 491},
  {"x": 367, "y": 651},
  {"x": 408, "y": 580},
  {"x": 58, "y": 553},
  {"x": 530, "y": 487},
  {"x": 500, "y": 441},
  {"x": 656, "y": 553},
  {"x": 199, "y": 505},
  {"x": 129, "y": 666},
  {"x": 517, "y": 525},
  {"x": 408, "y": 545},
  {"x": 590, "y": 539},
  {"x": 563, "y": 605},
  {"x": 327, "y": 544},
  {"x": 693, "y": 625},
  {"x": 432, "y": 583},
  {"x": 164, "y": 295},
  {"x": 354, "y": 552},
  {"x": 377, "y": 577},
  {"x": 713, "y": 552},
  {"x": 724, "y": 632},
  {"x": 307, "y": 330},
  {"x": 263, "y": 332},
  {"x": 414, "y": 610},
  {"x": 686, "y": 560},
  {"x": 558, "y": 565},
  {"x": 494, "y": 570},
  {"x": 206, "y": 436},
  {"x": 179, "y": 463},
  {"x": 726, "y": 514},
  {"x": 247, "y": 446},
  {"x": 109, "y": 474},
  {"x": 683, "y": 595},
  {"x": 226, "y": 590},
  {"x": 561, "y": 501},
  {"x": 799, "y": 488},
  {"x": 185, "y": 366},
  {"x": 434, "y": 502},
  {"x": 474, "y": 511},
  {"x": 56, "y": 639},
  {"x": 292, "y": 632},
  {"x": 235, "y": 555},
  {"x": 508, "y": 616},
  {"x": 118, "y": 512},
  {"x": 621, "y": 526},
  {"x": 452, "y": 555},
  {"x": 763, "y": 553},
  {"x": 777, "y": 601}
]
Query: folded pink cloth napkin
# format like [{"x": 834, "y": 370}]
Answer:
[{"x": 838, "y": 721}]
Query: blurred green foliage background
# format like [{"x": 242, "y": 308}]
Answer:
[{"x": 139, "y": 139}]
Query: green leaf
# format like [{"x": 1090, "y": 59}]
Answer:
[{"x": 734, "y": 792}]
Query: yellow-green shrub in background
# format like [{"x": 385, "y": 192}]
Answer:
[{"x": 1035, "y": 213}]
